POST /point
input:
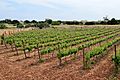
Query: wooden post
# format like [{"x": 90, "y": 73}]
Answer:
[
  {"x": 5, "y": 45},
  {"x": 2, "y": 39},
  {"x": 115, "y": 51},
  {"x": 39, "y": 54},
  {"x": 12, "y": 47},
  {"x": 116, "y": 67},
  {"x": 60, "y": 60},
  {"x": 84, "y": 62},
  {"x": 52, "y": 54},
  {"x": 15, "y": 47},
  {"x": 24, "y": 49},
  {"x": 75, "y": 55}
]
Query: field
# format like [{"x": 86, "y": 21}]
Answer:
[{"x": 81, "y": 53}]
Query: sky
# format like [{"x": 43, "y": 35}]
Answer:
[{"x": 59, "y": 9}]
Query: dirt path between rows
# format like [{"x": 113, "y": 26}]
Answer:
[{"x": 49, "y": 70}]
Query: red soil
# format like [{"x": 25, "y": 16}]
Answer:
[{"x": 29, "y": 69}]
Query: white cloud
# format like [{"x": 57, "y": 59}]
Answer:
[{"x": 64, "y": 8}]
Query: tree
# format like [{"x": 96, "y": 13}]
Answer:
[
  {"x": 103, "y": 23},
  {"x": 33, "y": 21},
  {"x": 59, "y": 21},
  {"x": 112, "y": 21},
  {"x": 41, "y": 21},
  {"x": 90, "y": 23},
  {"x": 118, "y": 21},
  {"x": 49, "y": 21},
  {"x": 15, "y": 22},
  {"x": 8, "y": 21},
  {"x": 76, "y": 23},
  {"x": 26, "y": 21}
]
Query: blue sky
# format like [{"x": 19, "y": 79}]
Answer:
[{"x": 59, "y": 9}]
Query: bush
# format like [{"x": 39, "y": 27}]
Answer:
[
  {"x": 42, "y": 25},
  {"x": 20, "y": 25},
  {"x": 28, "y": 25},
  {"x": 2, "y": 26},
  {"x": 71, "y": 22},
  {"x": 90, "y": 23},
  {"x": 56, "y": 23}
]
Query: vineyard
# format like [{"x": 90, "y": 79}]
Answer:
[{"x": 63, "y": 53}]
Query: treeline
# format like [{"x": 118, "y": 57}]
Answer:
[
  {"x": 49, "y": 22},
  {"x": 26, "y": 23}
]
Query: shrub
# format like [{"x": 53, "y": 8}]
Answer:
[
  {"x": 2, "y": 26},
  {"x": 28, "y": 25},
  {"x": 20, "y": 25},
  {"x": 42, "y": 25},
  {"x": 90, "y": 23},
  {"x": 56, "y": 23}
]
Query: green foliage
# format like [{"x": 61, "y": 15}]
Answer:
[
  {"x": 49, "y": 39},
  {"x": 71, "y": 22},
  {"x": 42, "y": 25},
  {"x": 28, "y": 25},
  {"x": 99, "y": 50},
  {"x": 26, "y": 21},
  {"x": 2, "y": 26},
  {"x": 90, "y": 23},
  {"x": 15, "y": 22},
  {"x": 106, "y": 21},
  {"x": 117, "y": 58},
  {"x": 67, "y": 52},
  {"x": 49, "y": 21},
  {"x": 55, "y": 23},
  {"x": 47, "y": 50},
  {"x": 33, "y": 21},
  {"x": 112, "y": 21},
  {"x": 20, "y": 25}
]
